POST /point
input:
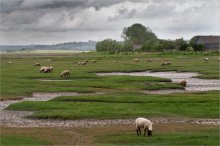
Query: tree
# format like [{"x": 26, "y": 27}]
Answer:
[
  {"x": 181, "y": 44},
  {"x": 138, "y": 34}
]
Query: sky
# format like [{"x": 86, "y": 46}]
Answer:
[{"x": 25, "y": 22}]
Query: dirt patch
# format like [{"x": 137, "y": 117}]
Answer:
[{"x": 16, "y": 119}]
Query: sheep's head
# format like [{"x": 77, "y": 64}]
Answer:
[{"x": 149, "y": 132}]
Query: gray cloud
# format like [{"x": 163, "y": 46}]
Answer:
[{"x": 169, "y": 19}]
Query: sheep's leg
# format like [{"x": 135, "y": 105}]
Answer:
[
  {"x": 145, "y": 131},
  {"x": 139, "y": 130}
]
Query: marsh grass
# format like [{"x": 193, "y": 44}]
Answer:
[
  {"x": 21, "y": 78},
  {"x": 124, "y": 105}
]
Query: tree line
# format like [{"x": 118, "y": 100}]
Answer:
[{"x": 140, "y": 38}]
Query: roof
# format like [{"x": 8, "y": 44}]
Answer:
[{"x": 208, "y": 39}]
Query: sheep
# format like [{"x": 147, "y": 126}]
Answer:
[
  {"x": 79, "y": 63},
  {"x": 183, "y": 83},
  {"x": 163, "y": 64},
  {"x": 65, "y": 73},
  {"x": 149, "y": 60},
  {"x": 93, "y": 61},
  {"x": 143, "y": 123},
  {"x": 136, "y": 60},
  {"x": 47, "y": 70},
  {"x": 42, "y": 68},
  {"x": 218, "y": 59},
  {"x": 84, "y": 63},
  {"x": 37, "y": 64},
  {"x": 9, "y": 62},
  {"x": 51, "y": 68},
  {"x": 206, "y": 59},
  {"x": 167, "y": 63},
  {"x": 114, "y": 61},
  {"x": 75, "y": 62}
]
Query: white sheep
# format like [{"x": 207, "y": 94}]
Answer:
[
  {"x": 51, "y": 68},
  {"x": 37, "y": 64},
  {"x": 84, "y": 63},
  {"x": 79, "y": 63},
  {"x": 206, "y": 59},
  {"x": 65, "y": 73},
  {"x": 143, "y": 123},
  {"x": 114, "y": 61},
  {"x": 136, "y": 60},
  {"x": 167, "y": 63},
  {"x": 93, "y": 61},
  {"x": 149, "y": 60},
  {"x": 47, "y": 70},
  {"x": 9, "y": 62},
  {"x": 42, "y": 68}
]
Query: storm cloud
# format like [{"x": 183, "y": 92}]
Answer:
[{"x": 55, "y": 21}]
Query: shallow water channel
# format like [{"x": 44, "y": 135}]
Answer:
[{"x": 193, "y": 83}]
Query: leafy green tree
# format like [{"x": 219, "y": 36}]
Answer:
[
  {"x": 181, "y": 44},
  {"x": 138, "y": 34}
]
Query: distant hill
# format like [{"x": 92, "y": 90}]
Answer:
[{"x": 78, "y": 46}]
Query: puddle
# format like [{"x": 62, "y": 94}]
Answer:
[
  {"x": 193, "y": 84},
  {"x": 42, "y": 97}
]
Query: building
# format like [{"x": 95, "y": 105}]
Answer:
[{"x": 209, "y": 42}]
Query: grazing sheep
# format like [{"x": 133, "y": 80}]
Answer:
[
  {"x": 84, "y": 63},
  {"x": 167, "y": 63},
  {"x": 51, "y": 68},
  {"x": 47, "y": 70},
  {"x": 206, "y": 59},
  {"x": 163, "y": 64},
  {"x": 75, "y": 62},
  {"x": 37, "y": 64},
  {"x": 9, "y": 62},
  {"x": 114, "y": 61},
  {"x": 149, "y": 60},
  {"x": 79, "y": 63},
  {"x": 93, "y": 61},
  {"x": 136, "y": 60},
  {"x": 183, "y": 83},
  {"x": 65, "y": 73},
  {"x": 143, "y": 123},
  {"x": 42, "y": 68}
]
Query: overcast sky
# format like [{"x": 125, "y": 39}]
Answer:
[{"x": 58, "y": 21}]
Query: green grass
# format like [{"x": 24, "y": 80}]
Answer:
[
  {"x": 125, "y": 105},
  {"x": 21, "y": 79},
  {"x": 190, "y": 138},
  {"x": 15, "y": 140},
  {"x": 163, "y": 134}
]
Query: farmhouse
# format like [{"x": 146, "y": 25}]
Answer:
[{"x": 209, "y": 42}]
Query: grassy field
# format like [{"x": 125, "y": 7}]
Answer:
[
  {"x": 163, "y": 134},
  {"x": 122, "y": 98},
  {"x": 124, "y": 105},
  {"x": 21, "y": 78}
]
